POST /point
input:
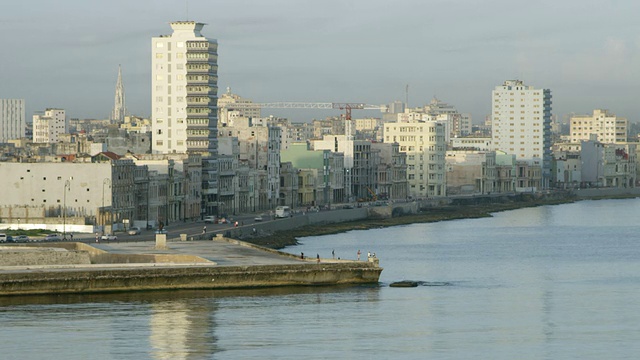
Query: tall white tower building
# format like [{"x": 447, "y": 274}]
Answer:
[
  {"x": 521, "y": 124},
  {"x": 12, "y": 120},
  {"x": 184, "y": 95},
  {"x": 48, "y": 126}
]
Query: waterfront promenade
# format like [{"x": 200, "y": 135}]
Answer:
[{"x": 136, "y": 266}]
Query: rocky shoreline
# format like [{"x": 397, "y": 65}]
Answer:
[{"x": 281, "y": 239}]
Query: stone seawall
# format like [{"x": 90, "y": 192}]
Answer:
[{"x": 93, "y": 280}]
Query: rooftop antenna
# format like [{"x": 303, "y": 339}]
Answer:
[{"x": 406, "y": 90}]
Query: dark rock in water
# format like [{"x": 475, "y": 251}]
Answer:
[{"x": 405, "y": 283}]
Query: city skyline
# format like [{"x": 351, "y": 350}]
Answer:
[{"x": 67, "y": 55}]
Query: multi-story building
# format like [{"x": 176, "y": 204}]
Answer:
[
  {"x": 608, "y": 128},
  {"x": 184, "y": 96},
  {"x": 235, "y": 105},
  {"x": 259, "y": 148},
  {"x": 48, "y": 126},
  {"x": 391, "y": 182},
  {"x": 610, "y": 165},
  {"x": 327, "y": 166},
  {"x": 12, "y": 120},
  {"x": 521, "y": 124},
  {"x": 425, "y": 146}
]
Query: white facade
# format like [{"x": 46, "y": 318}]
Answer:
[
  {"x": 608, "y": 128},
  {"x": 49, "y": 126},
  {"x": 345, "y": 145},
  {"x": 521, "y": 124},
  {"x": 425, "y": 146},
  {"x": 184, "y": 89},
  {"x": 12, "y": 119}
]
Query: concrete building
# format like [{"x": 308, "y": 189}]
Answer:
[
  {"x": 521, "y": 124},
  {"x": 12, "y": 119},
  {"x": 184, "y": 96},
  {"x": 608, "y": 165},
  {"x": 259, "y": 149},
  {"x": 425, "y": 146},
  {"x": 472, "y": 143},
  {"x": 327, "y": 166},
  {"x": 391, "y": 178},
  {"x": 119, "y": 105},
  {"x": 608, "y": 128},
  {"x": 231, "y": 105},
  {"x": 100, "y": 193},
  {"x": 48, "y": 126}
]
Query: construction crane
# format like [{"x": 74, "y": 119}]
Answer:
[{"x": 306, "y": 105}]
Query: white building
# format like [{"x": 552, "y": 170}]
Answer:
[
  {"x": 49, "y": 126},
  {"x": 608, "y": 128},
  {"x": 425, "y": 145},
  {"x": 184, "y": 95},
  {"x": 12, "y": 120},
  {"x": 521, "y": 124}
]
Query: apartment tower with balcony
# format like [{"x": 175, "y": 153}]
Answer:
[
  {"x": 184, "y": 90},
  {"x": 521, "y": 125}
]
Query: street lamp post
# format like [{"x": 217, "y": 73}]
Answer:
[
  {"x": 67, "y": 187},
  {"x": 105, "y": 181}
]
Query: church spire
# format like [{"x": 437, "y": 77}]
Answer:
[{"x": 119, "y": 109}]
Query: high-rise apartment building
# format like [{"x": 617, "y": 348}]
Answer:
[
  {"x": 49, "y": 126},
  {"x": 608, "y": 128},
  {"x": 12, "y": 121},
  {"x": 521, "y": 124},
  {"x": 183, "y": 96}
]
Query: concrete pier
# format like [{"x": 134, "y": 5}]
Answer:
[{"x": 140, "y": 266}]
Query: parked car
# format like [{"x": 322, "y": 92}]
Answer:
[
  {"x": 134, "y": 231},
  {"x": 52, "y": 237},
  {"x": 3, "y": 238},
  {"x": 109, "y": 237},
  {"x": 210, "y": 219},
  {"x": 22, "y": 238}
]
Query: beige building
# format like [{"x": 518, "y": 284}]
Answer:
[
  {"x": 425, "y": 146},
  {"x": 47, "y": 127},
  {"x": 608, "y": 128}
]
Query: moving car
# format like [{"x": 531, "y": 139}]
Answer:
[
  {"x": 52, "y": 237},
  {"x": 210, "y": 219},
  {"x": 258, "y": 218},
  {"x": 3, "y": 238},
  {"x": 22, "y": 238},
  {"x": 109, "y": 237},
  {"x": 134, "y": 231}
]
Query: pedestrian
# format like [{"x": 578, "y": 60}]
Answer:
[
  {"x": 358, "y": 254},
  {"x": 368, "y": 254},
  {"x": 333, "y": 254},
  {"x": 204, "y": 230},
  {"x": 302, "y": 255},
  {"x": 71, "y": 235},
  {"x": 318, "y": 257}
]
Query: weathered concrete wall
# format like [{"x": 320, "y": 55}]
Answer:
[
  {"x": 23, "y": 256},
  {"x": 184, "y": 277},
  {"x": 605, "y": 192}
]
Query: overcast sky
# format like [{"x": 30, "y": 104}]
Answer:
[{"x": 66, "y": 53}]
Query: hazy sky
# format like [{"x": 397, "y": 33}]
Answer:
[{"x": 66, "y": 53}]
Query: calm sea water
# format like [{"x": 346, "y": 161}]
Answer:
[{"x": 553, "y": 282}]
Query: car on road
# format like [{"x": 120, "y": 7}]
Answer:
[
  {"x": 258, "y": 218},
  {"x": 210, "y": 219},
  {"x": 109, "y": 237},
  {"x": 22, "y": 238},
  {"x": 134, "y": 231},
  {"x": 3, "y": 238},
  {"x": 52, "y": 237}
]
